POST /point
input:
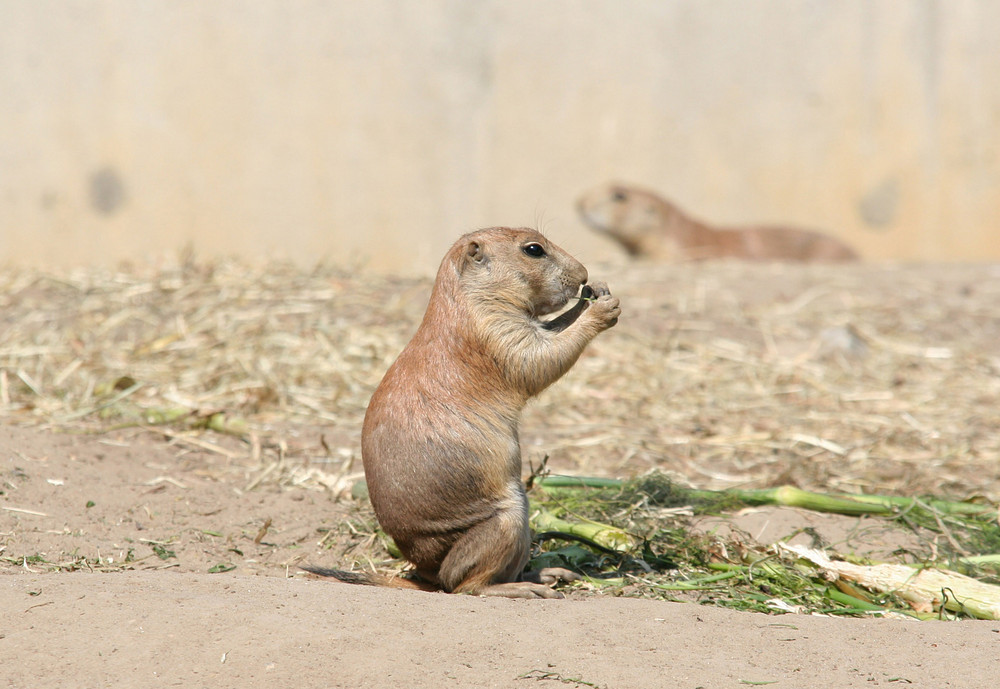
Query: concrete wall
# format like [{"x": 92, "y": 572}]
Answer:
[{"x": 382, "y": 129}]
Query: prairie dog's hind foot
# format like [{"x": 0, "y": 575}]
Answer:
[
  {"x": 533, "y": 584},
  {"x": 518, "y": 589},
  {"x": 549, "y": 575}
]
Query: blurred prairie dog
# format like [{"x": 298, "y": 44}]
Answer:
[
  {"x": 440, "y": 438},
  {"x": 649, "y": 226}
]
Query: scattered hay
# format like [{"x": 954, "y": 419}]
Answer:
[
  {"x": 197, "y": 352},
  {"x": 848, "y": 378},
  {"x": 727, "y": 375}
]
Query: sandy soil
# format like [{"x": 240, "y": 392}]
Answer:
[
  {"x": 177, "y": 629},
  {"x": 127, "y": 615}
]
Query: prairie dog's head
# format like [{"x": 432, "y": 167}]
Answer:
[
  {"x": 625, "y": 213},
  {"x": 517, "y": 268}
]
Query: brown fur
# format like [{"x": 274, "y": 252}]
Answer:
[
  {"x": 649, "y": 226},
  {"x": 440, "y": 438}
]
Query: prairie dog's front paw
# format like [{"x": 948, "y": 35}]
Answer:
[
  {"x": 604, "y": 307},
  {"x": 595, "y": 290}
]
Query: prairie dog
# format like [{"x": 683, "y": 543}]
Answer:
[
  {"x": 440, "y": 437},
  {"x": 649, "y": 226}
]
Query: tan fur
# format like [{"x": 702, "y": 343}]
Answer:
[
  {"x": 649, "y": 226},
  {"x": 440, "y": 438}
]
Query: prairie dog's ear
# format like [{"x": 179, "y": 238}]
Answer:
[{"x": 474, "y": 254}]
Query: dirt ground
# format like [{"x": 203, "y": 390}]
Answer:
[
  {"x": 142, "y": 555},
  {"x": 168, "y": 622}
]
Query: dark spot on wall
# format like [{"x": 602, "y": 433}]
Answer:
[
  {"x": 879, "y": 206},
  {"x": 48, "y": 200},
  {"x": 107, "y": 191}
]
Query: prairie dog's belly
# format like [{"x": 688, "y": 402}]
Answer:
[{"x": 433, "y": 482}]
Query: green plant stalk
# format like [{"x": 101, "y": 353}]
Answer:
[
  {"x": 765, "y": 566},
  {"x": 853, "y": 602},
  {"x": 789, "y": 496},
  {"x": 699, "y": 584},
  {"x": 577, "y": 482},
  {"x": 944, "y": 506},
  {"x": 972, "y": 563},
  {"x": 224, "y": 423},
  {"x": 602, "y": 583},
  {"x": 992, "y": 559},
  {"x": 860, "y": 605},
  {"x": 163, "y": 415},
  {"x": 726, "y": 567},
  {"x": 605, "y": 535},
  {"x": 714, "y": 577}
]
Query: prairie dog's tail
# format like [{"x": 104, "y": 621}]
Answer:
[{"x": 370, "y": 579}]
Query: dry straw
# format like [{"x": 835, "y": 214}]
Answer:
[{"x": 865, "y": 378}]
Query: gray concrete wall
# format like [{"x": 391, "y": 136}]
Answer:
[{"x": 382, "y": 129}]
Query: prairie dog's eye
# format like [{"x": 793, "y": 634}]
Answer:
[
  {"x": 618, "y": 196},
  {"x": 535, "y": 250}
]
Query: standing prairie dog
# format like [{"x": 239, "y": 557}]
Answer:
[
  {"x": 649, "y": 226},
  {"x": 440, "y": 438}
]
